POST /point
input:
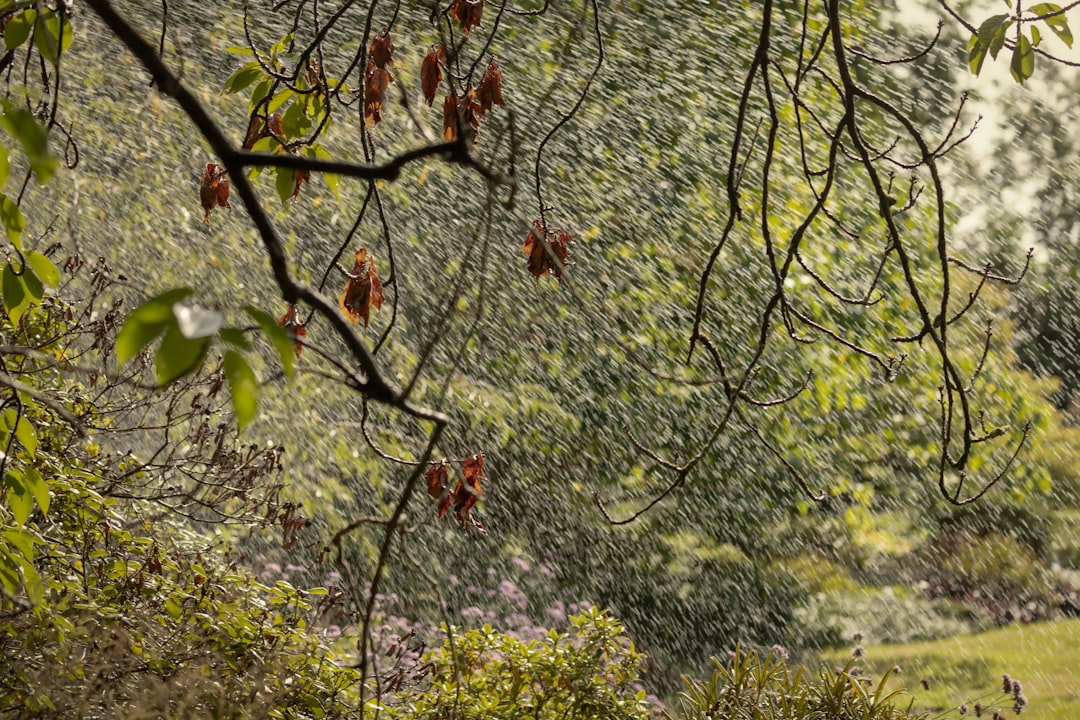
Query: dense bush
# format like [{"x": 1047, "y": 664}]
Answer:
[
  {"x": 994, "y": 572},
  {"x": 590, "y": 673}
]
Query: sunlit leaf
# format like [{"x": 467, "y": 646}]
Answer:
[
  {"x": 18, "y": 28},
  {"x": 178, "y": 356},
  {"x": 243, "y": 77},
  {"x": 1023, "y": 60},
  {"x": 243, "y": 386},
  {"x": 19, "y": 498},
  {"x": 23, "y": 430},
  {"x": 38, "y": 488},
  {"x": 146, "y": 323},
  {"x": 14, "y": 222},
  {"x": 1058, "y": 23},
  {"x": 44, "y": 268}
]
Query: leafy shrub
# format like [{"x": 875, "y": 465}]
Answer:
[
  {"x": 110, "y": 604},
  {"x": 766, "y": 688},
  {"x": 995, "y": 572},
  {"x": 587, "y": 674},
  {"x": 883, "y": 616}
]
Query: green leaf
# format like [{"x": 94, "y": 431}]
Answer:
[
  {"x": 277, "y": 336},
  {"x": 243, "y": 77},
  {"x": 295, "y": 122},
  {"x": 285, "y": 184},
  {"x": 34, "y": 289},
  {"x": 1035, "y": 36},
  {"x": 38, "y": 488},
  {"x": 22, "y": 540},
  {"x": 18, "y": 29},
  {"x": 266, "y": 144},
  {"x": 1023, "y": 60},
  {"x": 23, "y": 429},
  {"x": 13, "y": 220},
  {"x": 19, "y": 291},
  {"x": 976, "y": 55},
  {"x": 146, "y": 323},
  {"x": 14, "y": 293},
  {"x": 43, "y": 268},
  {"x": 997, "y": 40},
  {"x": 1058, "y": 23},
  {"x": 178, "y": 356},
  {"x": 333, "y": 180},
  {"x": 278, "y": 100},
  {"x": 52, "y": 35},
  {"x": 243, "y": 386},
  {"x": 9, "y": 571},
  {"x": 35, "y": 590},
  {"x": 19, "y": 498},
  {"x": 259, "y": 94},
  {"x": 279, "y": 47},
  {"x": 21, "y": 125},
  {"x": 236, "y": 337}
]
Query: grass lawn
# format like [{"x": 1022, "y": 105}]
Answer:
[{"x": 1045, "y": 657}]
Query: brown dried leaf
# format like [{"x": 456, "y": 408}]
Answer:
[
  {"x": 255, "y": 132},
  {"x": 536, "y": 248},
  {"x": 450, "y": 119},
  {"x": 376, "y": 81},
  {"x": 467, "y": 13},
  {"x": 437, "y": 478},
  {"x": 213, "y": 190},
  {"x": 363, "y": 290},
  {"x": 431, "y": 73},
  {"x": 294, "y": 325},
  {"x": 489, "y": 91},
  {"x": 382, "y": 49},
  {"x": 273, "y": 126},
  {"x": 468, "y": 488}
]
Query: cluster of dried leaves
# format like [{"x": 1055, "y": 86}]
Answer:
[
  {"x": 467, "y": 13},
  {"x": 547, "y": 250},
  {"x": 363, "y": 290},
  {"x": 376, "y": 77},
  {"x": 469, "y": 107},
  {"x": 463, "y": 497},
  {"x": 213, "y": 190}
]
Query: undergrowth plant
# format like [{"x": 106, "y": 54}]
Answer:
[{"x": 765, "y": 687}]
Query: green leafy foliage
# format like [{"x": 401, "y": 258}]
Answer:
[
  {"x": 20, "y": 124},
  {"x": 588, "y": 674},
  {"x": 993, "y": 34},
  {"x": 189, "y": 332}
]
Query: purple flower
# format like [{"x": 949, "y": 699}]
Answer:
[
  {"x": 471, "y": 612},
  {"x": 520, "y": 564},
  {"x": 557, "y": 612},
  {"x": 270, "y": 570}
]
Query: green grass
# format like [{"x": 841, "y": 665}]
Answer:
[{"x": 1045, "y": 657}]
